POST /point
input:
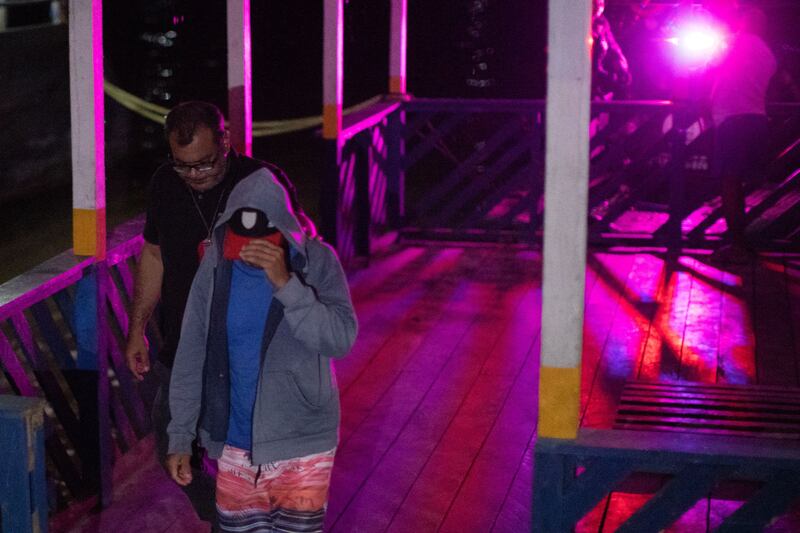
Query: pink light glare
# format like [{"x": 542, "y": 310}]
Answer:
[{"x": 697, "y": 44}]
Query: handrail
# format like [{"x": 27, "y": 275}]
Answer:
[
  {"x": 63, "y": 270},
  {"x": 509, "y": 105},
  {"x": 366, "y": 118}
]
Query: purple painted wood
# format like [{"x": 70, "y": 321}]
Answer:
[
  {"x": 13, "y": 367},
  {"x": 125, "y": 274},
  {"x": 355, "y": 123},
  {"x": 47, "y": 288},
  {"x": 60, "y": 399},
  {"x": 52, "y": 336},
  {"x": 25, "y": 337}
]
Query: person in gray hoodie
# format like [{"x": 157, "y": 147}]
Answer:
[{"x": 268, "y": 309}]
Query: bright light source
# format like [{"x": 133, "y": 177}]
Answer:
[{"x": 697, "y": 44}]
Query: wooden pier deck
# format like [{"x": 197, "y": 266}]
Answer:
[{"x": 439, "y": 394}]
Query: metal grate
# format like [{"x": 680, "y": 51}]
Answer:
[{"x": 744, "y": 410}]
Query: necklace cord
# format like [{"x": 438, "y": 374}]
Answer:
[{"x": 209, "y": 226}]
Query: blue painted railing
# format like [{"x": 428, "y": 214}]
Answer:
[{"x": 62, "y": 336}]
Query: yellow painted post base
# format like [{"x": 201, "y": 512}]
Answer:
[
  {"x": 397, "y": 84},
  {"x": 331, "y": 121},
  {"x": 89, "y": 232},
  {"x": 559, "y": 402}
]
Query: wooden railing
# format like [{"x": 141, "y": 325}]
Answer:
[
  {"x": 62, "y": 337},
  {"x": 474, "y": 170},
  {"x": 362, "y": 190}
]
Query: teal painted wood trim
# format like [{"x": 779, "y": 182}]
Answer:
[
  {"x": 697, "y": 465},
  {"x": 589, "y": 488},
  {"x": 23, "y": 495},
  {"x": 679, "y": 495},
  {"x": 772, "y": 500},
  {"x": 548, "y": 488},
  {"x": 85, "y": 313}
]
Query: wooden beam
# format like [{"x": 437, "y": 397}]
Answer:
[
  {"x": 566, "y": 193},
  {"x": 332, "y": 68},
  {"x": 240, "y": 93},
  {"x": 397, "y": 47},
  {"x": 332, "y": 79},
  {"x": 87, "y": 127}
]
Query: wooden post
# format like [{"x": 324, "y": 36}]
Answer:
[
  {"x": 87, "y": 127},
  {"x": 395, "y": 143},
  {"x": 332, "y": 77},
  {"x": 397, "y": 47},
  {"x": 23, "y": 489},
  {"x": 395, "y": 173},
  {"x": 240, "y": 93},
  {"x": 91, "y": 336},
  {"x": 362, "y": 170},
  {"x": 566, "y": 193}
]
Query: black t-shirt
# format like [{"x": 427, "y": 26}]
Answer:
[{"x": 175, "y": 225}]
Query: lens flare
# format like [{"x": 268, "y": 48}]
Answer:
[{"x": 697, "y": 44}]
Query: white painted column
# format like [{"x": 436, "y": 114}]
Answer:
[
  {"x": 240, "y": 87},
  {"x": 332, "y": 68},
  {"x": 332, "y": 79},
  {"x": 87, "y": 127},
  {"x": 566, "y": 192},
  {"x": 397, "y": 47}
]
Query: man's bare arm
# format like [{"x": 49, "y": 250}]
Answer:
[{"x": 147, "y": 290}]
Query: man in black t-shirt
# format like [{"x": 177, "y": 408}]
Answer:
[{"x": 186, "y": 196}]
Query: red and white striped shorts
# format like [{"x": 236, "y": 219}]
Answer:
[{"x": 286, "y": 496}]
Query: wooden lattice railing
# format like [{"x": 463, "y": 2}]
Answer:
[
  {"x": 573, "y": 476},
  {"x": 474, "y": 170},
  {"x": 62, "y": 331}
]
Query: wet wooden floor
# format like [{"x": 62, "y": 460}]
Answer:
[{"x": 439, "y": 394}]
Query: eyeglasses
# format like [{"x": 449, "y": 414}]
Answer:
[{"x": 200, "y": 168}]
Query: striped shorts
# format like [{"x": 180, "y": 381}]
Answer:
[{"x": 286, "y": 496}]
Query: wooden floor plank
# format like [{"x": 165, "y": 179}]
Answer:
[
  {"x": 144, "y": 499},
  {"x": 602, "y": 305},
  {"x": 626, "y": 338},
  {"x": 661, "y": 357},
  {"x": 500, "y": 457},
  {"x": 383, "y": 491},
  {"x": 792, "y": 270},
  {"x": 737, "y": 355},
  {"x": 372, "y": 438},
  {"x": 700, "y": 346},
  {"x": 439, "y": 394},
  {"x": 516, "y": 513},
  {"x": 776, "y": 363},
  {"x": 388, "y": 307}
]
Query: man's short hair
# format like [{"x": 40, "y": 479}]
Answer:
[{"x": 186, "y": 118}]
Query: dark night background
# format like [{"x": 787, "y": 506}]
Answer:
[{"x": 167, "y": 51}]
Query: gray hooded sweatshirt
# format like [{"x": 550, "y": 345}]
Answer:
[{"x": 310, "y": 320}]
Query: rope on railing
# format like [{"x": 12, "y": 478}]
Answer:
[{"x": 263, "y": 128}]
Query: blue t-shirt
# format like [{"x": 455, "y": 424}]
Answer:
[{"x": 248, "y": 304}]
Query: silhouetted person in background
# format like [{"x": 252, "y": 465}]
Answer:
[
  {"x": 611, "y": 77},
  {"x": 738, "y": 109}
]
